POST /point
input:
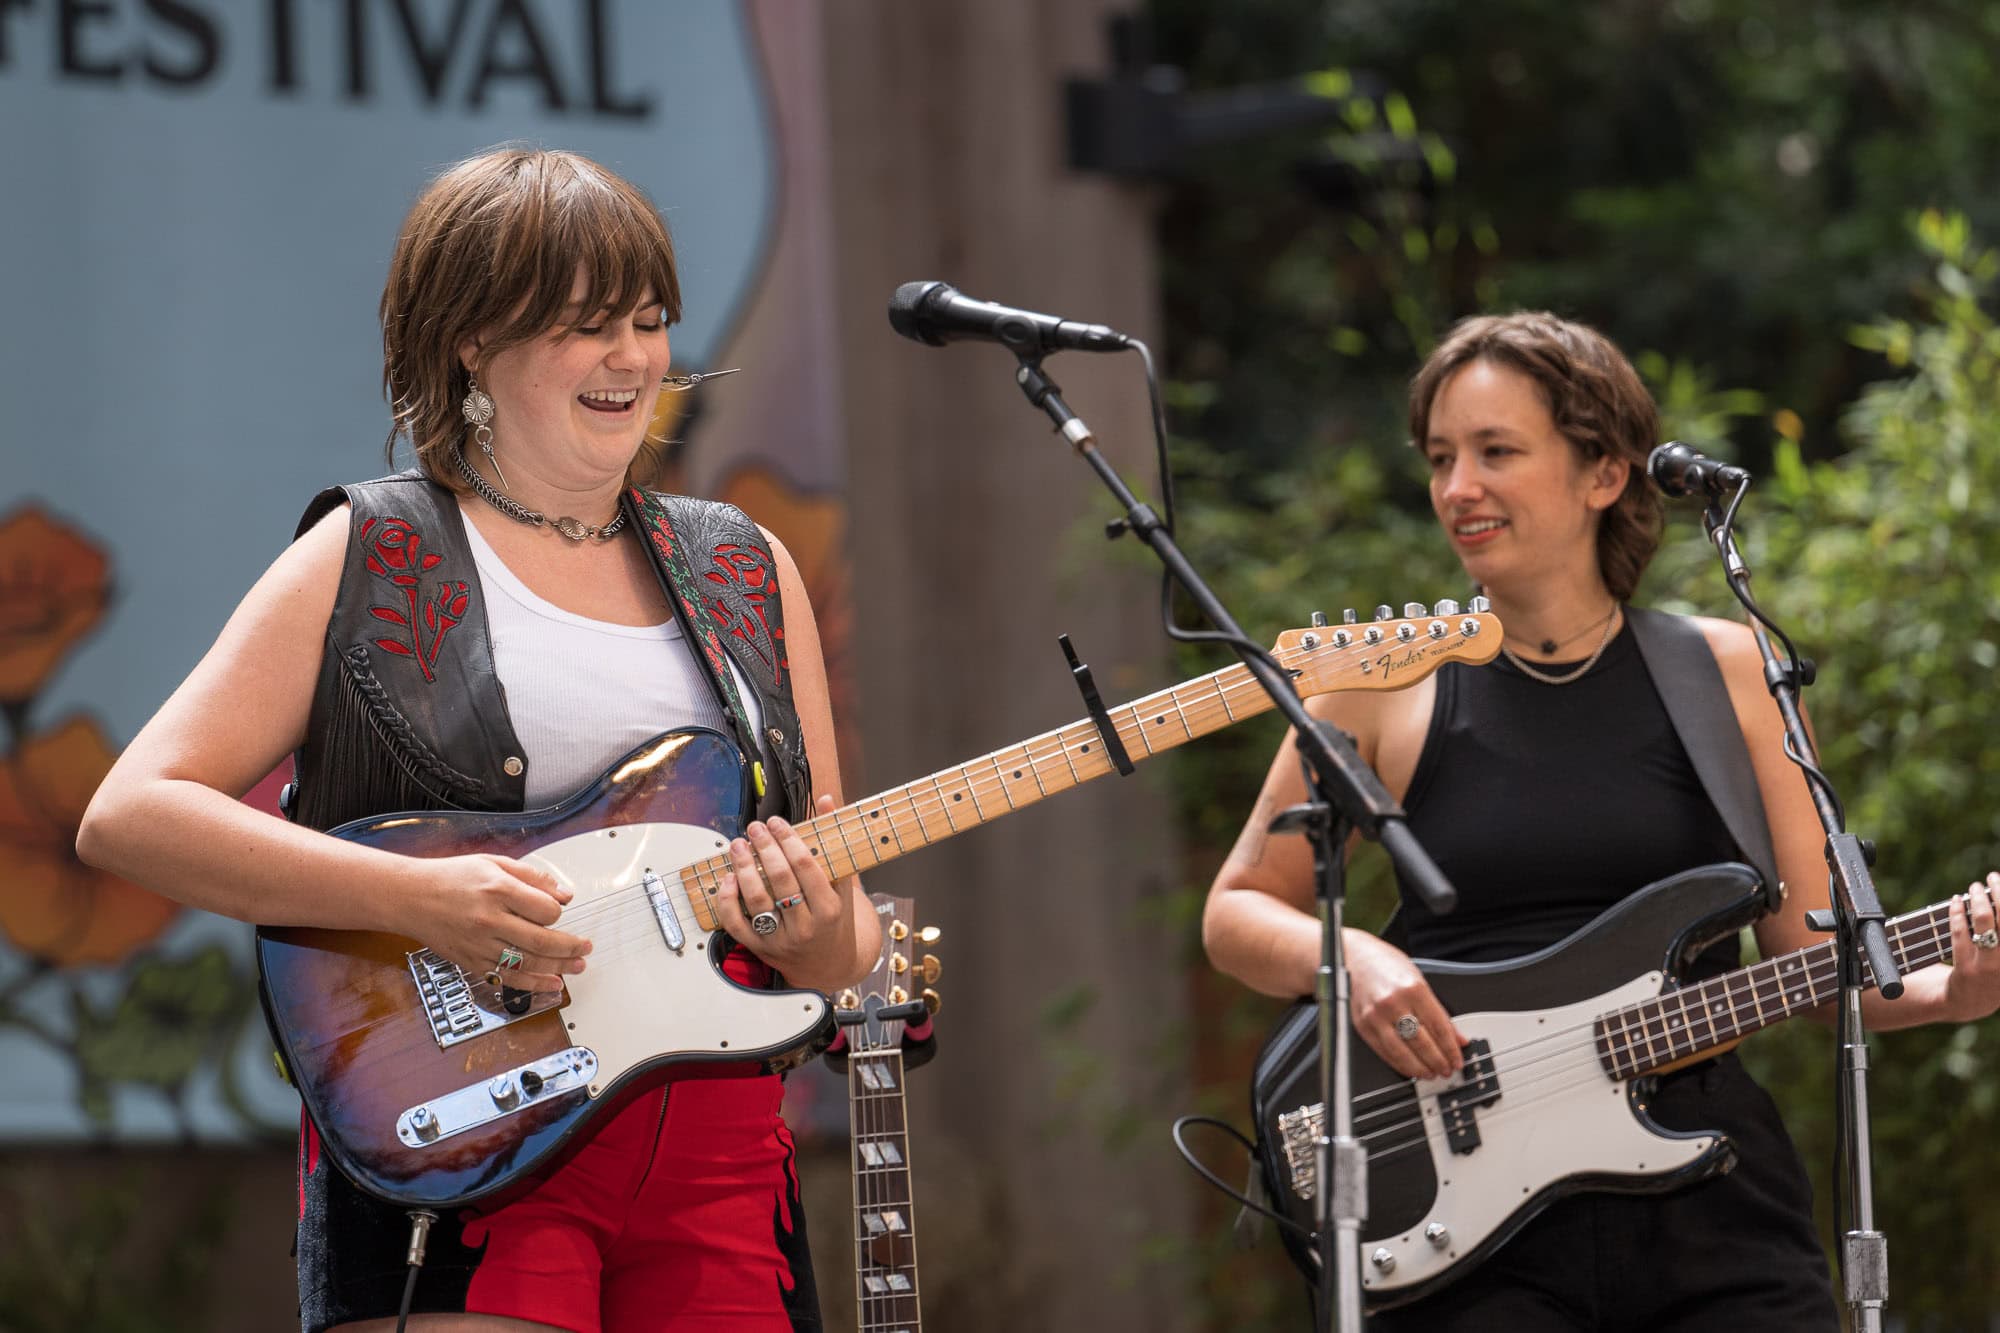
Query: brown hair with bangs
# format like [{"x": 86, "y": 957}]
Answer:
[
  {"x": 491, "y": 250},
  {"x": 1597, "y": 402}
]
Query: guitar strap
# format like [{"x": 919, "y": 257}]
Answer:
[
  {"x": 729, "y": 609},
  {"x": 1690, "y": 684}
]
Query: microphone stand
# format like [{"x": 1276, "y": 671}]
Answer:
[
  {"x": 1861, "y": 945},
  {"x": 1347, "y": 795}
]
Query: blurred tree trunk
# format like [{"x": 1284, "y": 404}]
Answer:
[{"x": 1061, "y": 994}]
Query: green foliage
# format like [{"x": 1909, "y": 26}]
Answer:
[{"x": 1886, "y": 568}]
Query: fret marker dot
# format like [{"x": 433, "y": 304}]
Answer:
[
  {"x": 1017, "y": 772},
  {"x": 958, "y": 796},
  {"x": 1086, "y": 747},
  {"x": 885, "y": 837}
]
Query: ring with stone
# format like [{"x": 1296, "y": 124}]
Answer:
[
  {"x": 792, "y": 901},
  {"x": 1407, "y": 1027},
  {"x": 1988, "y": 939},
  {"x": 510, "y": 958},
  {"x": 765, "y": 923}
]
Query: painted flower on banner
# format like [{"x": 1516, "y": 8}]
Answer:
[
  {"x": 55, "y": 907},
  {"x": 54, "y": 585}
]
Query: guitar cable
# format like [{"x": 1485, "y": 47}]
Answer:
[
  {"x": 420, "y": 1236},
  {"x": 1187, "y": 1155}
]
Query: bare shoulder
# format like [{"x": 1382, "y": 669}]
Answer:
[{"x": 1734, "y": 646}]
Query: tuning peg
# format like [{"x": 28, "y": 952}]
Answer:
[
  {"x": 1447, "y": 607},
  {"x": 1348, "y": 617},
  {"x": 930, "y": 935},
  {"x": 898, "y": 930},
  {"x": 1414, "y": 610},
  {"x": 930, "y": 969},
  {"x": 1385, "y": 612},
  {"x": 849, "y": 999},
  {"x": 1479, "y": 606},
  {"x": 1319, "y": 618},
  {"x": 932, "y": 1000},
  {"x": 898, "y": 964}
]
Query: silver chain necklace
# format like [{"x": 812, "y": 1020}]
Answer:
[
  {"x": 573, "y": 528},
  {"x": 1577, "y": 673}
]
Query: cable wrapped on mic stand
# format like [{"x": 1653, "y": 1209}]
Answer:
[{"x": 1856, "y": 917}]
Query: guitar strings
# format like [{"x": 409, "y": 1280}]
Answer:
[{"x": 1750, "y": 985}]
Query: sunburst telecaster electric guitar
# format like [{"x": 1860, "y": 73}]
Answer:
[{"x": 428, "y": 1092}]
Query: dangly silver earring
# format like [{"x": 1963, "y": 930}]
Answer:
[{"x": 478, "y": 410}]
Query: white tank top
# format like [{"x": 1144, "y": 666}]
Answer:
[{"x": 583, "y": 692}]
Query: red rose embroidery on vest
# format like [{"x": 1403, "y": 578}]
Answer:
[{"x": 396, "y": 555}]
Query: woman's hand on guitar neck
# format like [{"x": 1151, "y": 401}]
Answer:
[
  {"x": 471, "y": 909},
  {"x": 1972, "y": 987},
  {"x": 775, "y": 872},
  {"x": 1387, "y": 986}
]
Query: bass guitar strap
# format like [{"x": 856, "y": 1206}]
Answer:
[{"x": 1689, "y": 681}]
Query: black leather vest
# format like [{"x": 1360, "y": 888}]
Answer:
[{"x": 407, "y": 713}]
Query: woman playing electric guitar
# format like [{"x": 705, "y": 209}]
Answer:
[
  {"x": 489, "y": 632},
  {"x": 1550, "y": 785}
]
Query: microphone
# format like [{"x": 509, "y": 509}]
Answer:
[
  {"x": 937, "y": 313},
  {"x": 1678, "y": 469}
]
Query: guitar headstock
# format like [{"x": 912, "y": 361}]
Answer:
[
  {"x": 1388, "y": 653},
  {"x": 902, "y": 987}
]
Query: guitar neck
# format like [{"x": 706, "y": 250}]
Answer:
[
  {"x": 885, "y": 1235},
  {"x": 1691, "y": 1021},
  {"x": 880, "y": 828}
]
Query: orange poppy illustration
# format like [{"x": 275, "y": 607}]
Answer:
[{"x": 54, "y": 585}]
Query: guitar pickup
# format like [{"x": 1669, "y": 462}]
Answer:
[
  {"x": 479, "y": 1104},
  {"x": 1479, "y": 1086}
]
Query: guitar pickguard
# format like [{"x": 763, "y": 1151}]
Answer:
[
  {"x": 1559, "y": 1115},
  {"x": 638, "y": 1001}
]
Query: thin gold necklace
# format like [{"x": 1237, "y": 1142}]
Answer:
[{"x": 1610, "y": 625}]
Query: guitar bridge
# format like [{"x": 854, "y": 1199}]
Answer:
[
  {"x": 1300, "y": 1129},
  {"x": 458, "y": 1010}
]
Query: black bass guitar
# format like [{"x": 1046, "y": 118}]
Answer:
[
  {"x": 1550, "y": 1099},
  {"x": 428, "y": 1092}
]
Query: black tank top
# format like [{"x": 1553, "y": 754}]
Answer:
[{"x": 1547, "y": 804}]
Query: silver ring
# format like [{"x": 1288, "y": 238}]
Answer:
[
  {"x": 765, "y": 923},
  {"x": 510, "y": 958},
  {"x": 1407, "y": 1027},
  {"x": 1988, "y": 939}
]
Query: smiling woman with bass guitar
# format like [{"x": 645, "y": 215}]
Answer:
[
  {"x": 482, "y": 637},
  {"x": 1557, "y": 1136}
]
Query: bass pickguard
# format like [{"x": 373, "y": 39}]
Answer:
[{"x": 1558, "y": 1117}]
